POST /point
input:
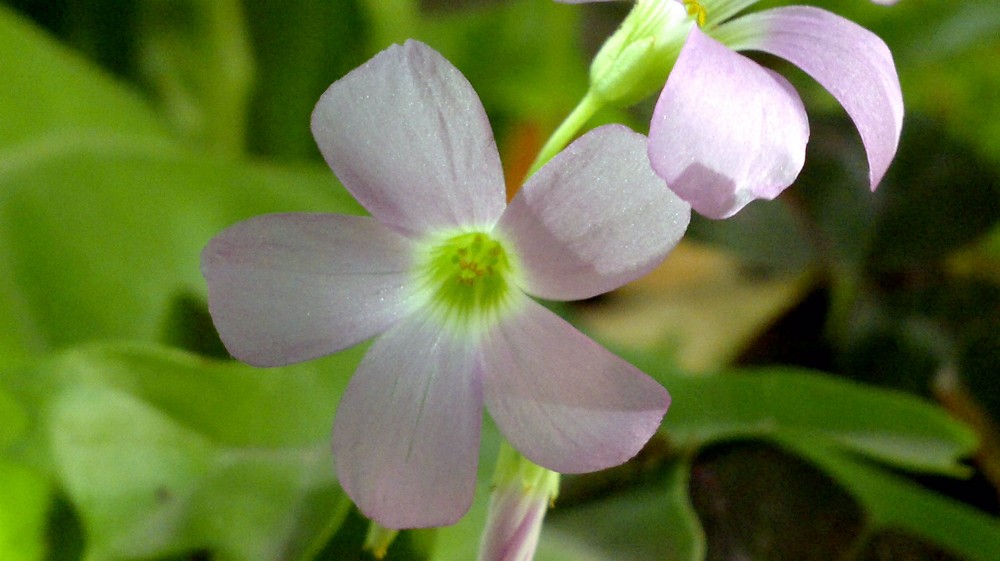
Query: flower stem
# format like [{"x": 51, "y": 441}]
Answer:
[{"x": 564, "y": 134}]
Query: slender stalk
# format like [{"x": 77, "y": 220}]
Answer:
[{"x": 568, "y": 130}]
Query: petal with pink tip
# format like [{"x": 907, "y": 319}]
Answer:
[
  {"x": 851, "y": 62},
  {"x": 408, "y": 137},
  {"x": 284, "y": 288},
  {"x": 594, "y": 218},
  {"x": 563, "y": 401},
  {"x": 406, "y": 435},
  {"x": 725, "y": 130}
]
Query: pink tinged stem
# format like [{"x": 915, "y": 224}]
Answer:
[
  {"x": 852, "y": 63},
  {"x": 725, "y": 130}
]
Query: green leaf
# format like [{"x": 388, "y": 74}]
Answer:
[
  {"x": 653, "y": 522},
  {"x": 196, "y": 56},
  {"x": 301, "y": 47},
  {"x": 162, "y": 452},
  {"x": 888, "y": 426},
  {"x": 99, "y": 235},
  {"x": 522, "y": 56},
  {"x": 24, "y": 493},
  {"x": 12, "y": 419},
  {"x": 24, "y": 499},
  {"x": 48, "y": 87},
  {"x": 893, "y": 502}
]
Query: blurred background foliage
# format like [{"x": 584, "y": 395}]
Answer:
[{"x": 833, "y": 356}]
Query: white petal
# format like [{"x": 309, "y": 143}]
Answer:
[
  {"x": 408, "y": 137},
  {"x": 406, "y": 436},
  {"x": 562, "y": 400},
  {"x": 594, "y": 218},
  {"x": 284, "y": 288}
]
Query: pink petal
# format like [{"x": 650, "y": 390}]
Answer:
[
  {"x": 594, "y": 218},
  {"x": 846, "y": 59},
  {"x": 406, "y": 435},
  {"x": 408, "y": 137},
  {"x": 285, "y": 288},
  {"x": 562, "y": 400},
  {"x": 726, "y": 131}
]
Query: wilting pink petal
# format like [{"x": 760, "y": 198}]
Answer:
[
  {"x": 851, "y": 62},
  {"x": 725, "y": 130},
  {"x": 594, "y": 218},
  {"x": 562, "y": 400},
  {"x": 408, "y": 137},
  {"x": 285, "y": 288},
  {"x": 406, "y": 436}
]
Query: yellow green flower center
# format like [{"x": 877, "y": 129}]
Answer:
[{"x": 468, "y": 276}]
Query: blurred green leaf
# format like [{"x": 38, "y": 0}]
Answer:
[
  {"x": 24, "y": 498},
  {"x": 47, "y": 87},
  {"x": 521, "y": 56},
  {"x": 99, "y": 235},
  {"x": 195, "y": 55},
  {"x": 163, "y": 452},
  {"x": 893, "y": 502},
  {"x": 300, "y": 48},
  {"x": 12, "y": 419},
  {"x": 888, "y": 426},
  {"x": 653, "y": 522}
]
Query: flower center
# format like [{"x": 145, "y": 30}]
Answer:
[
  {"x": 468, "y": 276},
  {"x": 695, "y": 9}
]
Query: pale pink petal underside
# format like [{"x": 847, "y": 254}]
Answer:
[
  {"x": 406, "y": 436},
  {"x": 725, "y": 130},
  {"x": 409, "y": 138},
  {"x": 562, "y": 400},
  {"x": 284, "y": 288},
  {"x": 852, "y": 63},
  {"x": 594, "y": 218}
]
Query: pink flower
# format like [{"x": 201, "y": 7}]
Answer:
[
  {"x": 727, "y": 131},
  {"x": 441, "y": 274}
]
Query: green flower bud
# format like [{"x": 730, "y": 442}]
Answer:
[{"x": 635, "y": 61}]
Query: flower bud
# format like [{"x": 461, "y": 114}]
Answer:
[
  {"x": 522, "y": 492},
  {"x": 635, "y": 61}
]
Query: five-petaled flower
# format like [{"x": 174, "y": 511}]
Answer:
[
  {"x": 441, "y": 272},
  {"x": 725, "y": 130}
]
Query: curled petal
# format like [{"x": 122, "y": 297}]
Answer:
[
  {"x": 284, "y": 288},
  {"x": 408, "y": 137},
  {"x": 726, "y": 131},
  {"x": 406, "y": 436},
  {"x": 851, "y": 62},
  {"x": 562, "y": 400},
  {"x": 594, "y": 218}
]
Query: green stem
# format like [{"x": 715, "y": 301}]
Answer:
[{"x": 568, "y": 130}]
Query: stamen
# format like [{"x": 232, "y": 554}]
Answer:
[
  {"x": 468, "y": 276},
  {"x": 694, "y": 8}
]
